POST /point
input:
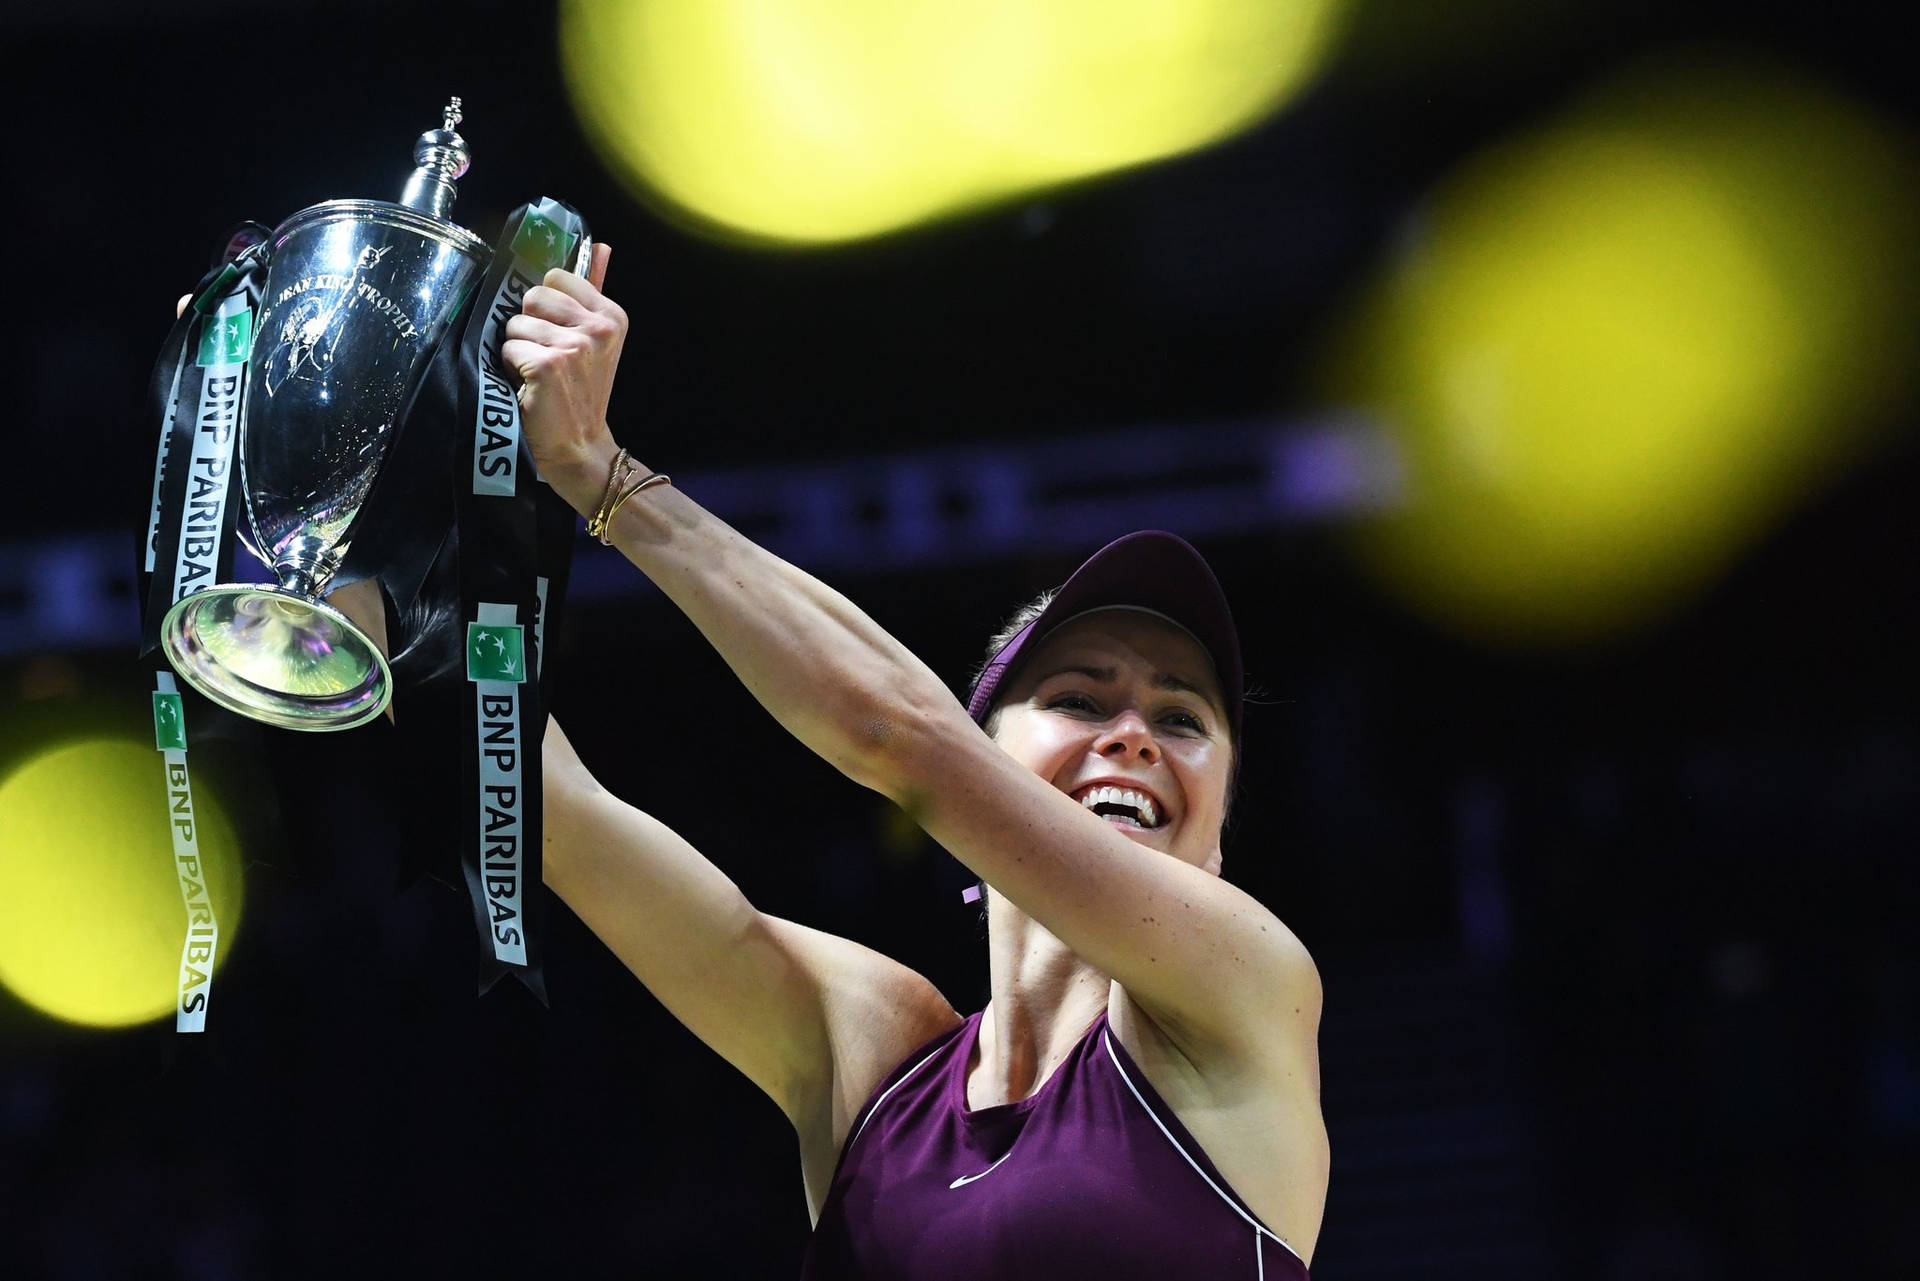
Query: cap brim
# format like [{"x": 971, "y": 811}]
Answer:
[{"x": 1151, "y": 570}]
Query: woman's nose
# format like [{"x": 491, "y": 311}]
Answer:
[{"x": 1128, "y": 735}]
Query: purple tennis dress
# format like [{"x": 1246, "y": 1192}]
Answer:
[{"x": 1090, "y": 1176}]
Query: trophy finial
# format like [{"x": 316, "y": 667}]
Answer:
[{"x": 439, "y": 157}]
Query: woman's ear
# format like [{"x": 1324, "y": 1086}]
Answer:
[{"x": 1213, "y": 862}]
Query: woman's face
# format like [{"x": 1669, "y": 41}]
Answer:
[{"x": 1125, "y": 700}]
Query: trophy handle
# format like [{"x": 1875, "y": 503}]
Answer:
[
  {"x": 249, "y": 260},
  {"x": 241, "y": 237}
]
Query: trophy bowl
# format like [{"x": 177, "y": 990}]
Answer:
[
  {"x": 358, "y": 295},
  {"x": 278, "y": 656}
]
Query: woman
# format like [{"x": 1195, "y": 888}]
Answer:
[{"x": 1140, "y": 1096}]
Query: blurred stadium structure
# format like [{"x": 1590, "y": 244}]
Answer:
[
  {"x": 937, "y": 509},
  {"x": 1538, "y": 377}
]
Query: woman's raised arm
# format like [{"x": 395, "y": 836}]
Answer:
[
  {"x": 815, "y": 1021},
  {"x": 1205, "y": 958}
]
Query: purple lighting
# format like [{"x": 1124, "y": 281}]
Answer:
[{"x": 937, "y": 508}]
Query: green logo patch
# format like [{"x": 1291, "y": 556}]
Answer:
[
  {"x": 541, "y": 242},
  {"x": 169, "y": 723},
  {"x": 496, "y": 652},
  {"x": 224, "y": 340}
]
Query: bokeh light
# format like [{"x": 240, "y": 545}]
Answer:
[
  {"x": 92, "y": 922},
  {"x": 1614, "y": 349},
  {"x": 845, "y": 118}
]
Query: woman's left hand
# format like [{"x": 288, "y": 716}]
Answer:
[{"x": 565, "y": 346}]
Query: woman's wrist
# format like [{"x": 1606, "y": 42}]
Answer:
[{"x": 581, "y": 477}]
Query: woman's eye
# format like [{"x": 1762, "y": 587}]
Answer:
[
  {"x": 1186, "y": 721},
  {"x": 1071, "y": 702}
]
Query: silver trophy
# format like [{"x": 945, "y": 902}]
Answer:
[{"x": 357, "y": 296}]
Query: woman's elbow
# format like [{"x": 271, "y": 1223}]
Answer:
[{"x": 894, "y": 744}]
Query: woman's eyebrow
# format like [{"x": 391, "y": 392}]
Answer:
[
  {"x": 1108, "y": 675},
  {"x": 1182, "y": 685},
  {"x": 1099, "y": 675}
]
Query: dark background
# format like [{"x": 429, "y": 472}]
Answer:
[{"x": 1616, "y": 940}]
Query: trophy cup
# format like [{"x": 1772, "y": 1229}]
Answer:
[{"x": 358, "y": 294}]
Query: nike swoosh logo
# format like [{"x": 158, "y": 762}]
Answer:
[{"x": 962, "y": 1181}]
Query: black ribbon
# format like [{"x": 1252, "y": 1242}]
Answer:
[
  {"x": 199, "y": 398},
  {"x": 197, "y": 393},
  {"x": 515, "y": 545}
]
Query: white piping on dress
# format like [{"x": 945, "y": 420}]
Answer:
[
  {"x": 883, "y": 1098},
  {"x": 1259, "y": 1229}
]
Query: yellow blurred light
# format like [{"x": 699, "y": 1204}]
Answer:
[
  {"x": 1619, "y": 346},
  {"x": 92, "y": 923},
  {"x": 834, "y": 120}
]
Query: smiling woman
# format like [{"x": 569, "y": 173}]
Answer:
[
  {"x": 1152, "y": 596},
  {"x": 1140, "y": 1096},
  {"x": 1120, "y": 1154},
  {"x": 1165, "y": 761}
]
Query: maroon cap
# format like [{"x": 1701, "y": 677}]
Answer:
[{"x": 1151, "y": 570}]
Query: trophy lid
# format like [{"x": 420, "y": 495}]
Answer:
[{"x": 439, "y": 157}]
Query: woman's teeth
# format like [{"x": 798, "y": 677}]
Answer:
[{"x": 1123, "y": 802}]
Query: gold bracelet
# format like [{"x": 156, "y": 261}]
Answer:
[
  {"x": 616, "y": 475},
  {"x": 601, "y": 525}
]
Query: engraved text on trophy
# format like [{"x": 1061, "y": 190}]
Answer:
[{"x": 352, "y": 307}]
